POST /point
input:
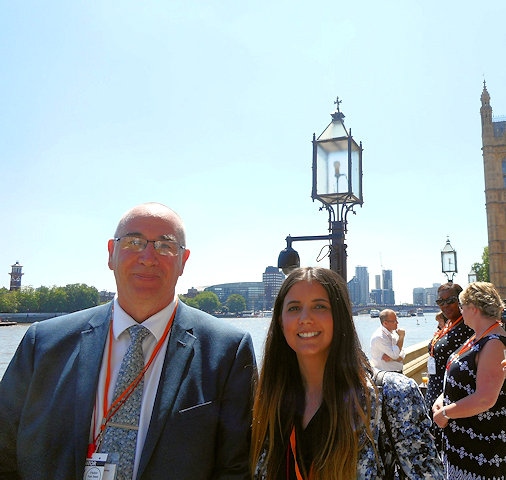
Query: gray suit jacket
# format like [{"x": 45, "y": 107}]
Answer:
[{"x": 200, "y": 426}]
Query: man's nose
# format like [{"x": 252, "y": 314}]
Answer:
[{"x": 149, "y": 254}]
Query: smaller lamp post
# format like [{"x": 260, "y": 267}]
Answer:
[
  {"x": 471, "y": 276},
  {"x": 449, "y": 261}
]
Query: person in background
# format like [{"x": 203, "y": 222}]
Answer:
[
  {"x": 317, "y": 413},
  {"x": 443, "y": 344},
  {"x": 472, "y": 408},
  {"x": 193, "y": 414},
  {"x": 387, "y": 342},
  {"x": 441, "y": 321}
]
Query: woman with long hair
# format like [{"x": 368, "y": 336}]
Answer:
[{"x": 317, "y": 414}]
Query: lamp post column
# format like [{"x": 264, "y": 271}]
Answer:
[{"x": 338, "y": 255}]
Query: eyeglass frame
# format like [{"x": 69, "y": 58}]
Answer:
[
  {"x": 445, "y": 301},
  {"x": 156, "y": 244}
]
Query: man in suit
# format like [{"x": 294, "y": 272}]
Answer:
[{"x": 196, "y": 403}]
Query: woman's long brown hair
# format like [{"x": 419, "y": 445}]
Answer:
[{"x": 345, "y": 388}]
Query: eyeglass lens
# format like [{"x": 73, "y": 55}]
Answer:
[{"x": 137, "y": 244}]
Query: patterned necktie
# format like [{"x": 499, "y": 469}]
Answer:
[{"x": 120, "y": 435}]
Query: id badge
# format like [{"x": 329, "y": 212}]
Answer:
[
  {"x": 100, "y": 466},
  {"x": 431, "y": 366}
]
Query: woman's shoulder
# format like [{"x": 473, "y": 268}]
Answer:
[
  {"x": 492, "y": 336},
  {"x": 400, "y": 391},
  {"x": 394, "y": 381}
]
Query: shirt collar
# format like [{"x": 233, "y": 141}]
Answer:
[{"x": 155, "y": 324}]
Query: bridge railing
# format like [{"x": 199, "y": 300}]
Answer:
[{"x": 415, "y": 361}]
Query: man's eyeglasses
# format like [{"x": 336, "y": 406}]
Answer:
[
  {"x": 448, "y": 301},
  {"x": 169, "y": 248}
]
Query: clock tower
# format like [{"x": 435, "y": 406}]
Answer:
[
  {"x": 493, "y": 134},
  {"x": 16, "y": 275}
]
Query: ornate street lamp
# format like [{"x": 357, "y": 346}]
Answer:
[
  {"x": 337, "y": 184},
  {"x": 449, "y": 261},
  {"x": 471, "y": 276}
]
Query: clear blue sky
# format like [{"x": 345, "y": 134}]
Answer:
[{"x": 210, "y": 107}]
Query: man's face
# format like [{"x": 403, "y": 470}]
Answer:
[
  {"x": 146, "y": 276},
  {"x": 391, "y": 323}
]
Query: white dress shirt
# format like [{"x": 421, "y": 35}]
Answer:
[
  {"x": 383, "y": 341},
  {"x": 121, "y": 339}
]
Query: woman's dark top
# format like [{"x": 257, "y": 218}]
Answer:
[
  {"x": 443, "y": 348},
  {"x": 308, "y": 442}
]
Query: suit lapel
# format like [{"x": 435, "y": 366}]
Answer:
[
  {"x": 90, "y": 351},
  {"x": 179, "y": 353}
]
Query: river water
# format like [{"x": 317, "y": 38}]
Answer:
[{"x": 418, "y": 329}]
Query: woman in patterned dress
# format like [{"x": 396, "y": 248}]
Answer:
[
  {"x": 317, "y": 414},
  {"x": 472, "y": 408},
  {"x": 445, "y": 342}
]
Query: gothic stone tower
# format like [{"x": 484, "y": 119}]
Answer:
[{"x": 493, "y": 134}]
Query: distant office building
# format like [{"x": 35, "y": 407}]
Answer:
[
  {"x": 377, "y": 295},
  {"x": 358, "y": 287},
  {"x": 354, "y": 291},
  {"x": 425, "y": 296},
  {"x": 104, "y": 296},
  {"x": 272, "y": 279},
  {"x": 377, "y": 282},
  {"x": 192, "y": 292},
  {"x": 387, "y": 279},
  {"x": 493, "y": 135},
  {"x": 388, "y": 288},
  {"x": 431, "y": 294},
  {"x": 253, "y": 293},
  {"x": 388, "y": 297},
  {"x": 418, "y": 296},
  {"x": 363, "y": 280}
]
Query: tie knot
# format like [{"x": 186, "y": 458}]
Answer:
[{"x": 137, "y": 333}]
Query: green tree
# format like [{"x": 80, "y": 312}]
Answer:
[
  {"x": 208, "y": 301},
  {"x": 49, "y": 300},
  {"x": 236, "y": 303},
  {"x": 8, "y": 301},
  {"x": 482, "y": 269},
  {"x": 57, "y": 301},
  {"x": 190, "y": 301},
  {"x": 80, "y": 296},
  {"x": 27, "y": 300}
]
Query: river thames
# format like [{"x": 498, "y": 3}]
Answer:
[{"x": 418, "y": 329}]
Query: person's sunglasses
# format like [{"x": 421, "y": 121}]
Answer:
[{"x": 448, "y": 301}]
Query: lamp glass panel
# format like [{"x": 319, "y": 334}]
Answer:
[
  {"x": 356, "y": 167},
  {"x": 449, "y": 262},
  {"x": 332, "y": 169}
]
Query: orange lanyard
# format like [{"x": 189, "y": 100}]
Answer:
[
  {"x": 122, "y": 398},
  {"x": 294, "y": 453},
  {"x": 442, "y": 333},
  {"x": 468, "y": 345}
]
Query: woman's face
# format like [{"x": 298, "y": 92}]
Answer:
[
  {"x": 307, "y": 321},
  {"x": 450, "y": 310}
]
